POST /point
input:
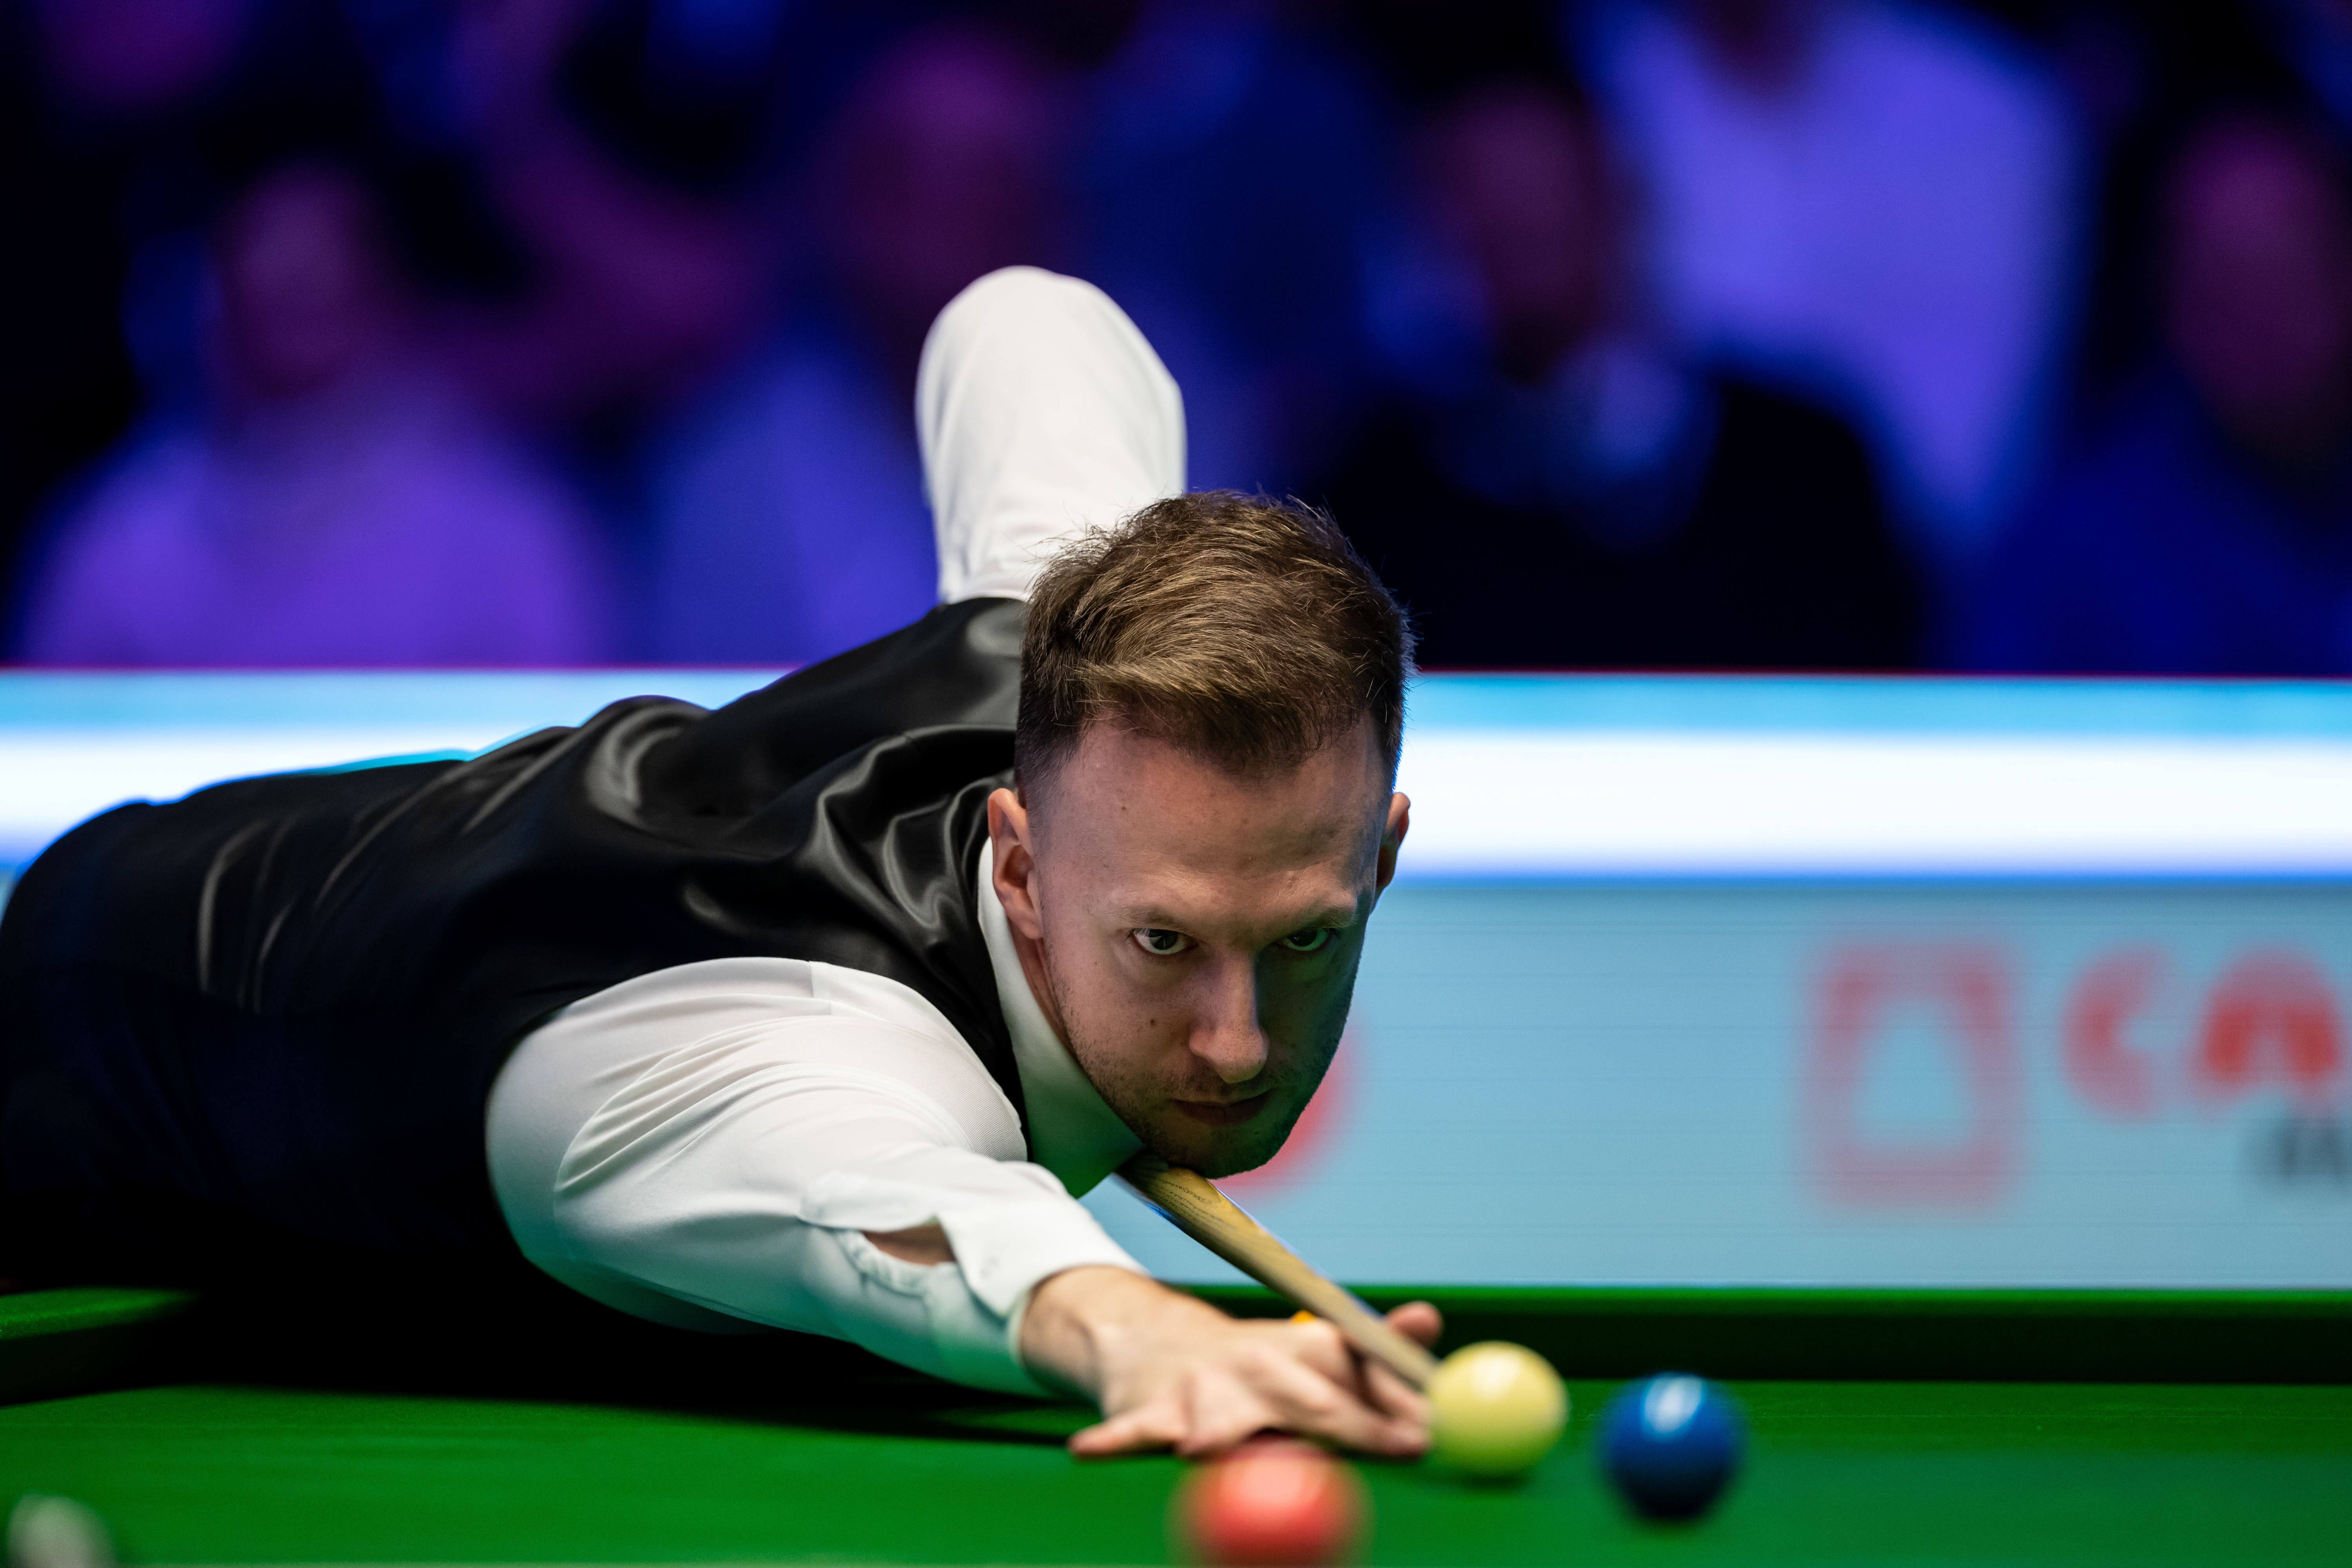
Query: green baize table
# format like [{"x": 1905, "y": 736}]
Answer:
[{"x": 1886, "y": 1428}]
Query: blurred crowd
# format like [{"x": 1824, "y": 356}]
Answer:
[{"x": 1794, "y": 334}]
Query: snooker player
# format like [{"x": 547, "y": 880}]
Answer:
[{"x": 813, "y": 1012}]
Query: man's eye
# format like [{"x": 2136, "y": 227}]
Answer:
[
  {"x": 1160, "y": 943},
  {"x": 1310, "y": 941}
]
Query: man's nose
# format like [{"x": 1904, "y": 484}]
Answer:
[{"x": 1225, "y": 1032}]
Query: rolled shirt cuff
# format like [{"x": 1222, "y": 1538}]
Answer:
[
  {"x": 1006, "y": 1250},
  {"x": 1005, "y": 1241}
]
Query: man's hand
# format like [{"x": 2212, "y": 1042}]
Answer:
[{"x": 1170, "y": 1371}]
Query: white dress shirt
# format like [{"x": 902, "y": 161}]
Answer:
[{"x": 708, "y": 1145}]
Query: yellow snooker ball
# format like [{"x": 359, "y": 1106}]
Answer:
[{"x": 1495, "y": 1410}]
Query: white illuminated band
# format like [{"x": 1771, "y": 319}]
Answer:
[
  {"x": 1513, "y": 778},
  {"x": 1534, "y": 805}
]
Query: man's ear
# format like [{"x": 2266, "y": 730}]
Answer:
[
  {"x": 1393, "y": 839},
  {"x": 1016, "y": 862}
]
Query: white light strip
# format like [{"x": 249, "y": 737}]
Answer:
[
  {"x": 1519, "y": 803},
  {"x": 1544, "y": 804},
  {"x": 51, "y": 779}
]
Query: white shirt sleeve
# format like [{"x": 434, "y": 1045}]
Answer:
[
  {"x": 707, "y": 1145},
  {"x": 1042, "y": 412}
]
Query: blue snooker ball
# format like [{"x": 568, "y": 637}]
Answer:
[{"x": 1670, "y": 1444}]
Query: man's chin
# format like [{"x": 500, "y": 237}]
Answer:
[
  {"x": 1213, "y": 1151},
  {"x": 1209, "y": 1160}
]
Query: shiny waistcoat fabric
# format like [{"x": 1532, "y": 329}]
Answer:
[{"x": 262, "y": 1021}]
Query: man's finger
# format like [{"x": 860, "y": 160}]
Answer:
[
  {"x": 1227, "y": 1407},
  {"x": 1323, "y": 1347},
  {"x": 1324, "y": 1390},
  {"x": 1372, "y": 1381},
  {"x": 1314, "y": 1406},
  {"x": 1418, "y": 1321},
  {"x": 1393, "y": 1396},
  {"x": 1144, "y": 1429}
]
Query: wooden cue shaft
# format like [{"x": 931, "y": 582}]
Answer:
[{"x": 1194, "y": 1205}]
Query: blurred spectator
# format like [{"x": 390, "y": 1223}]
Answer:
[
  {"x": 1232, "y": 160},
  {"x": 2207, "y": 527},
  {"x": 789, "y": 510},
  {"x": 1568, "y": 491},
  {"x": 1871, "y": 197},
  {"x": 2140, "y": 75},
  {"x": 647, "y": 273},
  {"x": 337, "y": 506}
]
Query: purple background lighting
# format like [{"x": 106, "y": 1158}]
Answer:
[{"x": 1728, "y": 334}]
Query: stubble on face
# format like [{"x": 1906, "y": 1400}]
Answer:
[{"x": 1140, "y": 1096}]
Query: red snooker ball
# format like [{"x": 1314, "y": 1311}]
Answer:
[{"x": 1271, "y": 1504}]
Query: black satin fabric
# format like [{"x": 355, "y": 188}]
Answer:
[{"x": 259, "y": 1024}]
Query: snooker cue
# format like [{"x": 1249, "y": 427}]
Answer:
[{"x": 1193, "y": 1204}]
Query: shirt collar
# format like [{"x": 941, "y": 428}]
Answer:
[{"x": 1072, "y": 1132}]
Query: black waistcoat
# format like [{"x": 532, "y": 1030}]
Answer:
[{"x": 263, "y": 1021}]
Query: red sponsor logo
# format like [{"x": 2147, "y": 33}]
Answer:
[
  {"x": 1862, "y": 991},
  {"x": 2102, "y": 1063},
  {"x": 2269, "y": 1020}
]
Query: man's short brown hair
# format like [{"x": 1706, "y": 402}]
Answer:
[{"x": 1242, "y": 629}]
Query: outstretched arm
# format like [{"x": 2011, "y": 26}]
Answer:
[
  {"x": 1042, "y": 412},
  {"x": 1168, "y": 1371},
  {"x": 758, "y": 1141},
  {"x": 752, "y": 1140}
]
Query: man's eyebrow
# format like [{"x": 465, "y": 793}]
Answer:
[{"x": 1156, "y": 917}]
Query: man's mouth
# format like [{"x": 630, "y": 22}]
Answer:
[{"x": 1224, "y": 1113}]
